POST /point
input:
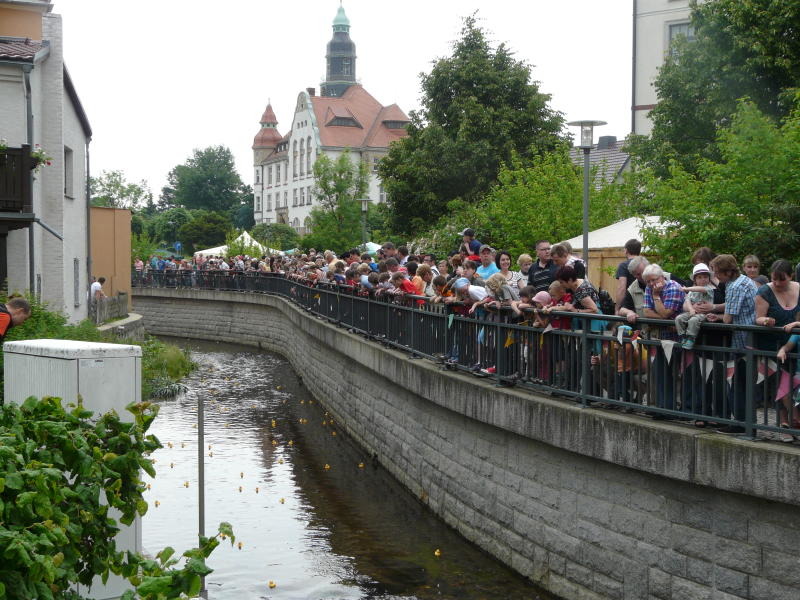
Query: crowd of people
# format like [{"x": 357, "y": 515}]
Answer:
[{"x": 551, "y": 291}]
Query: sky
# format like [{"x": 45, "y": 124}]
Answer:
[{"x": 160, "y": 78}]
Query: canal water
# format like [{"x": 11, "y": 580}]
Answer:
[{"x": 313, "y": 514}]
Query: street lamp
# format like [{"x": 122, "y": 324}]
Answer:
[
  {"x": 364, "y": 209},
  {"x": 587, "y": 137}
]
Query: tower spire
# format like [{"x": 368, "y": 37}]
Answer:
[{"x": 340, "y": 72}]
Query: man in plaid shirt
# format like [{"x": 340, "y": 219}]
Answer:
[
  {"x": 663, "y": 299},
  {"x": 740, "y": 309}
]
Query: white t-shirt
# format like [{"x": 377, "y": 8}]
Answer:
[
  {"x": 96, "y": 287},
  {"x": 476, "y": 293}
]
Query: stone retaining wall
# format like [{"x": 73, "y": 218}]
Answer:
[{"x": 587, "y": 503}]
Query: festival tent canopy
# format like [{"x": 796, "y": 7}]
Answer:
[{"x": 244, "y": 238}]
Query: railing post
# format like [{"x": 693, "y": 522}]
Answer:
[
  {"x": 585, "y": 362},
  {"x": 751, "y": 368}
]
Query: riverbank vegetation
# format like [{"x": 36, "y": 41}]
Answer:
[{"x": 163, "y": 365}]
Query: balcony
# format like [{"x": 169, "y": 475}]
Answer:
[{"x": 16, "y": 194}]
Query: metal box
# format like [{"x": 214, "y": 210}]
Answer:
[{"x": 106, "y": 377}]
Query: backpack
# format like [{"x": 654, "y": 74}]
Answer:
[{"x": 607, "y": 305}]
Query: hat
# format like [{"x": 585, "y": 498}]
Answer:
[
  {"x": 700, "y": 268},
  {"x": 467, "y": 231},
  {"x": 486, "y": 247},
  {"x": 461, "y": 283},
  {"x": 542, "y": 297}
]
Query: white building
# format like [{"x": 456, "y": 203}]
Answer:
[
  {"x": 655, "y": 24},
  {"x": 44, "y": 230},
  {"x": 344, "y": 116}
]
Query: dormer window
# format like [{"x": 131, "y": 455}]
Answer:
[
  {"x": 343, "y": 122},
  {"x": 395, "y": 124}
]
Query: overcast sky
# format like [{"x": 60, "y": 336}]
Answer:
[{"x": 159, "y": 78}]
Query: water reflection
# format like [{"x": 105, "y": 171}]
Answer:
[{"x": 313, "y": 513}]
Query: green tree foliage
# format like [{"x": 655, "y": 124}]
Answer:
[
  {"x": 164, "y": 226},
  {"x": 142, "y": 246},
  {"x": 207, "y": 180},
  {"x": 112, "y": 190},
  {"x": 336, "y": 220},
  {"x": 479, "y": 106},
  {"x": 242, "y": 213},
  {"x": 743, "y": 48},
  {"x": 541, "y": 198},
  {"x": 277, "y": 236},
  {"x": 205, "y": 230},
  {"x": 747, "y": 202},
  {"x": 55, "y": 466}
]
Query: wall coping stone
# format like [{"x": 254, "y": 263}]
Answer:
[{"x": 758, "y": 469}]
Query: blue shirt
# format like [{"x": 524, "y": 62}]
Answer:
[
  {"x": 740, "y": 303},
  {"x": 486, "y": 272}
]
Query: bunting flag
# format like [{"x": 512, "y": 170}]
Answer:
[
  {"x": 316, "y": 296},
  {"x": 668, "y": 346},
  {"x": 548, "y": 328},
  {"x": 708, "y": 367},
  {"x": 481, "y": 336},
  {"x": 450, "y": 320},
  {"x": 509, "y": 340},
  {"x": 730, "y": 369}
]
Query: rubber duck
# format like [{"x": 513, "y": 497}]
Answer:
[
  {"x": 148, "y": 486},
  {"x": 169, "y": 444},
  {"x": 272, "y": 584},
  {"x": 183, "y": 445},
  {"x": 171, "y": 465},
  {"x": 273, "y": 422},
  {"x": 240, "y": 489},
  {"x": 327, "y": 466},
  {"x": 256, "y": 490},
  {"x": 282, "y": 500},
  {"x": 274, "y": 442},
  {"x": 186, "y": 484},
  {"x": 291, "y": 442},
  {"x": 280, "y": 461},
  {"x": 157, "y": 503},
  {"x": 239, "y": 545},
  {"x": 279, "y": 388},
  {"x": 437, "y": 553},
  {"x": 210, "y": 454},
  {"x": 361, "y": 465},
  {"x": 241, "y": 475},
  {"x": 324, "y": 423},
  {"x": 333, "y": 433}
]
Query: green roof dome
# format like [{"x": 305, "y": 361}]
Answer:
[{"x": 341, "y": 22}]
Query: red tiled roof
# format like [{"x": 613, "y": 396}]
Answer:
[
  {"x": 269, "y": 116},
  {"x": 267, "y": 137},
  {"x": 358, "y": 104},
  {"x": 22, "y": 50}
]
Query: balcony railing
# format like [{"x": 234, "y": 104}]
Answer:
[{"x": 15, "y": 180}]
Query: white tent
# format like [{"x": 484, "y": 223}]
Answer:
[
  {"x": 616, "y": 234},
  {"x": 244, "y": 238}
]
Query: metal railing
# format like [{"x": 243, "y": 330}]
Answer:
[
  {"x": 105, "y": 309},
  {"x": 586, "y": 358}
]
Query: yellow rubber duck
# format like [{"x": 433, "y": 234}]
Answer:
[
  {"x": 324, "y": 423},
  {"x": 282, "y": 500},
  {"x": 361, "y": 465},
  {"x": 280, "y": 387},
  {"x": 148, "y": 486},
  {"x": 256, "y": 490},
  {"x": 333, "y": 433},
  {"x": 186, "y": 484},
  {"x": 327, "y": 466},
  {"x": 183, "y": 445},
  {"x": 437, "y": 553},
  {"x": 280, "y": 461},
  {"x": 239, "y": 545},
  {"x": 272, "y": 584},
  {"x": 169, "y": 444},
  {"x": 240, "y": 489},
  {"x": 291, "y": 442},
  {"x": 210, "y": 454},
  {"x": 274, "y": 442},
  {"x": 157, "y": 503},
  {"x": 171, "y": 465},
  {"x": 241, "y": 475},
  {"x": 273, "y": 422}
]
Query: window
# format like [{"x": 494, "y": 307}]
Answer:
[
  {"x": 277, "y": 174},
  {"x": 285, "y": 199},
  {"x": 285, "y": 172},
  {"x": 309, "y": 195},
  {"x": 345, "y": 66},
  {"x": 343, "y": 122},
  {"x": 68, "y": 191},
  {"x": 302, "y": 196},
  {"x": 269, "y": 202},
  {"x": 381, "y": 194},
  {"x": 677, "y": 30},
  {"x": 375, "y": 162},
  {"x": 258, "y": 203},
  {"x": 395, "y": 124},
  {"x": 258, "y": 176},
  {"x": 294, "y": 159},
  {"x": 308, "y": 155},
  {"x": 76, "y": 281},
  {"x": 302, "y": 156},
  {"x": 269, "y": 174},
  {"x": 294, "y": 197}
]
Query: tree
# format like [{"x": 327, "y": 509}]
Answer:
[
  {"x": 336, "y": 220},
  {"x": 208, "y": 180},
  {"x": 743, "y": 48},
  {"x": 205, "y": 230},
  {"x": 747, "y": 202},
  {"x": 540, "y": 198},
  {"x": 278, "y": 236},
  {"x": 479, "y": 106},
  {"x": 142, "y": 246},
  {"x": 242, "y": 213},
  {"x": 112, "y": 190},
  {"x": 164, "y": 226}
]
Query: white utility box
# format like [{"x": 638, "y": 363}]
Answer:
[{"x": 107, "y": 377}]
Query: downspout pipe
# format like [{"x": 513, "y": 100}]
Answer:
[
  {"x": 26, "y": 74},
  {"x": 633, "y": 69},
  {"x": 88, "y": 223}
]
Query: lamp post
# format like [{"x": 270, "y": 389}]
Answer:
[
  {"x": 364, "y": 209},
  {"x": 587, "y": 137}
]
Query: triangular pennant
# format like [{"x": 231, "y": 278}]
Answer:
[
  {"x": 450, "y": 320},
  {"x": 730, "y": 369},
  {"x": 668, "y": 346},
  {"x": 708, "y": 365},
  {"x": 620, "y": 334},
  {"x": 481, "y": 335},
  {"x": 548, "y": 328},
  {"x": 509, "y": 340},
  {"x": 316, "y": 296}
]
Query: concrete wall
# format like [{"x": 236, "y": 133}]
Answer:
[{"x": 588, "y": 503}]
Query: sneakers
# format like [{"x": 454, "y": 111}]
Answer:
[
  {"x": 489, "y": 371},
  {"x": 688, "y": 343},
  {"x": 786, "y": 438}
]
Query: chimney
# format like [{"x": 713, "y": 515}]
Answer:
[
  {"x": 606, "y": 141},
  {"x": 311, "y": 91}
]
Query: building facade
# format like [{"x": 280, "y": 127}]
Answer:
[
  {"x": 344, "y": 117},
  {"x": 44, "y": 239},
  {"x": 655, "y": 24}
]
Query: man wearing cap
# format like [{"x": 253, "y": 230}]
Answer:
[
  {"x": 470, "y": 246},
  {"x": 474, "y": 293},
  {"x": 488, "y": 266}
]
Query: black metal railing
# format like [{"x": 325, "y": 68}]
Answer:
[
  {"x": 15, "y": 179},
  {"x": 638, "y": 370}
]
